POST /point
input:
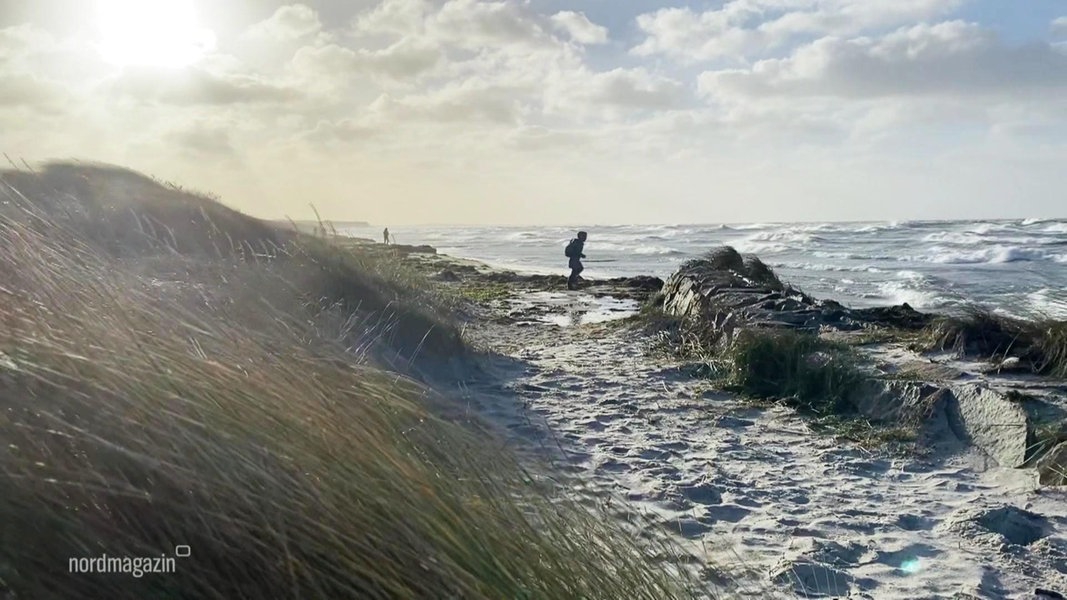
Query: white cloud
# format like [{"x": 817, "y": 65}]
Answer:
[
  {"x": 469, "y": 102},
  {"x": 397, "y": 17},
  {"x": 472, "y": 100},
  {"x": 580, "y": 28},
  {"x": 613, "y": 94},
  {"x": 288, "y": 23},
  {"x": 1059, "y": 26},
  {"x": 200, "y": 87},
  {"x": 743, "y": 28},
  {"x": 404, "y": 59},
  {"x": 953, "y": 58}
]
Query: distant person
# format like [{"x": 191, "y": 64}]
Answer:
[
  {"x": 385, "y": 236},
  {"x": 574, "y": 253}
]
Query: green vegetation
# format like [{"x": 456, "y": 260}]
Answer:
[
  {"x": 810, "y": 373},
  {"x": 1040, "y": 345},
  {"x": 807, "y": 371},
  {"x": 247, "y": 400},
  {"x": 481, "y": 292}
]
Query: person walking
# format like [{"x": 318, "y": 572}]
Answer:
[
  {"x": 574, "y": 252},
  {"x": 385, "y": 236}
]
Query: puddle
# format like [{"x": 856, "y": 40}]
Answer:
[{"x": 571, "y": 310}]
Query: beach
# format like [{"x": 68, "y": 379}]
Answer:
[
  {"x": 758, "y": 492},
  {"x": 398, "y": 422}
]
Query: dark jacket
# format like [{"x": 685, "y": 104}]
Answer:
[{"x": 579, "y": 248}]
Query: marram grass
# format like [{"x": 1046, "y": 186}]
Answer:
[{"x": 141, "y": 413}]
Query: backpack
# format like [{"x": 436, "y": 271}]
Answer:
[{"x": 570, "y": 251}]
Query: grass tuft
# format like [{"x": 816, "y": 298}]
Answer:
[
  {"x": 810, "y": 373},
  {"x": 1041, "y": 345},
  {"x": 160, "y": 396}
]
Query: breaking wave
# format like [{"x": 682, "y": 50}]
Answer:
[{"x": 990, "y": 255}]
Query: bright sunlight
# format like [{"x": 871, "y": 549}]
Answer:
[{"x": 160, "y": 33}]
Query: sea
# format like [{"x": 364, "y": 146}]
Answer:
[{"x": 1017, "y": 268}]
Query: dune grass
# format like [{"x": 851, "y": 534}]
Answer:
[
  {"x": 234, "y": 405},
  {"x": 810, "y": 373},
  {"x": 1040, "y": 344}
]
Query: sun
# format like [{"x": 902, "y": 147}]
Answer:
[{"x": 158, "y": 33}]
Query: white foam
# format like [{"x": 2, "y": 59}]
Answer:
[
  {"x": 657, "y": 250},
  {"x": 953, "y": 237},
  {"x": 1048, "y": 302},
  {"x": 899, "y": 292},
  {"x": 990, "y": 255},
  {"x": 820, "y": 267}
]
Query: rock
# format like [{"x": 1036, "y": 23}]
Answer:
[
  {"x": 892, "y": 400},
  {"x": 898, "y": 317},
  {"x": 644, "y": 282},
  {"x": 402, "y": 249},
  {"x": 745, "y": 288},
  {"x": 993, "y": 423},
  {"x": 1052, "y": 467},
  {"x": 448, "y": 276}
]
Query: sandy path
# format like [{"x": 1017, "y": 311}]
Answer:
[{"x": 758, "y": 490}]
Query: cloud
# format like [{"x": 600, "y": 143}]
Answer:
[
  {"x": 584, "y": 94},
  {"x": 744, "y": 28},
  {"x": 203, "y": 140},
  {"x": 474, "y": 23},
  {"x": 580, "y": 28},
  {"x": 342, "y": 132},
  {"x": 1059, "y": 26},
  {"x": 397, "y": 17},
  {"x": 405, "y": 59},
  {"x": 472, "y": 100},
  {"x": 468, "y": 24},
  {"x": 25, "y": 90},
  {"x": 953, "y": 58},
  {"x": 26, "y": 55},
  {"x": 288, "y": 23},
  {"x": 199, "y": 87}
]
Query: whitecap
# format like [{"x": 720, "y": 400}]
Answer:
[
  {"x": 657, "y": 250},
  {"x": 991, "y": 255}
]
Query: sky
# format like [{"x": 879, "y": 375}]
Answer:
[{"x": 562, "y": 112}]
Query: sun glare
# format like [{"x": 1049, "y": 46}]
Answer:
[{"x": 160, "y": 33}]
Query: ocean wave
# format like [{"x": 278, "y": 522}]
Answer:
[
  {"x": 852, "y": 256},
  {"x": 954, "y": 237},
  {"x": 1047, "y": 302},
  {"x": 987, "y": 228},
  {"x": 877, "y": 227},
  {"x": 788, "y": 236},
  {"x": 899, "y": 292},
  {"x": 761, "y": 248},
  {"x": 990, "y": 255},
  {"x": 524, "y": 235},
  {"x": 820, "y": 267},
  {"x": 658, "y": 251},
  {"x": 1057, "y": 227}
]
